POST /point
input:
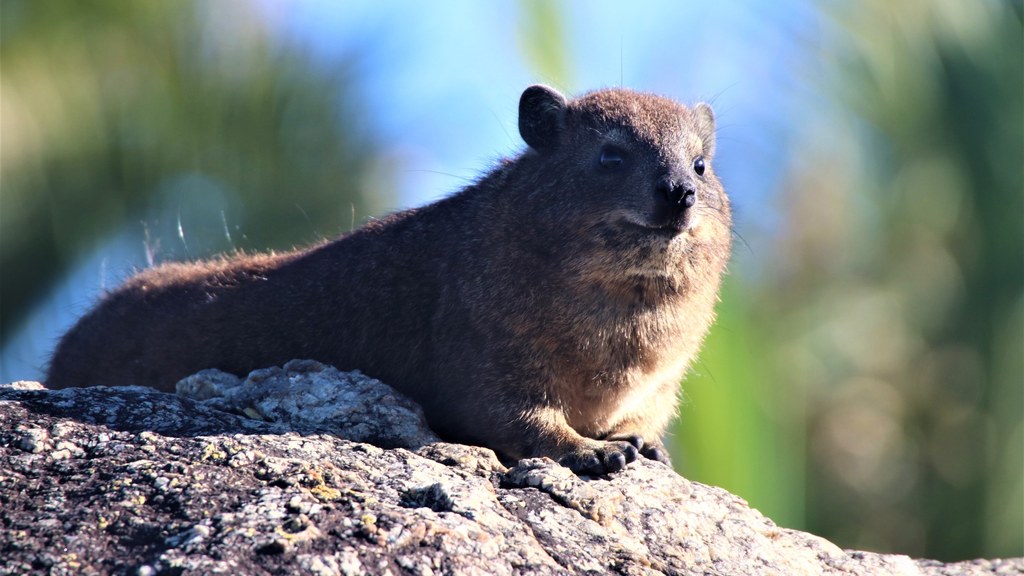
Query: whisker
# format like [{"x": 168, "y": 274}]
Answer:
[{"x": 743, "y": 240}]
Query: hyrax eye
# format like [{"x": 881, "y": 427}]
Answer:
[
  {"x": 611, "y": 157},
  {"x": 698, "y": 165}
]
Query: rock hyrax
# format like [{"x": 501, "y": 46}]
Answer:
[{"x": 549, "y": 309}]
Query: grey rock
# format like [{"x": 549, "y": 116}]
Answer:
[
  {"x": 133, "y": 481},
  {"x": 305, "y": 394}
]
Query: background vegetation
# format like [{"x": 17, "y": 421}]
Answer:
[
  {"x": 865, "y": 380},
  {"x": 889, "y": 343}
]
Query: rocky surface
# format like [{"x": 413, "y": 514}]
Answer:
[
  {"x": 254, "y": 477},
  {"x": 307, "y": 395}
]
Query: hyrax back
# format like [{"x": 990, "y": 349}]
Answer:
[{"x": 550, "y": 309}]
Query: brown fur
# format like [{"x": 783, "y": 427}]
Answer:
[{"x": 549, "y": 309}]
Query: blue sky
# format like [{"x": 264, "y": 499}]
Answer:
[{"x": 445, "y": 79}]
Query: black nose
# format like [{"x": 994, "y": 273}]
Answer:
[{"x": 678, "y": 195}]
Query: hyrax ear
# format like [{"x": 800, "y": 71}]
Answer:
[
  {"x": 704, "y": 117},
  {"x": 541, "y": 116}
]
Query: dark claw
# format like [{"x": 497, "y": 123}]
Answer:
[
  {"x": 582, "y": 463},
  {"x": 612, "y": 457},
  {"x": 615, "y": 461},
  {"x": 631, "y": 452},
  {"x": 656, "y": 453}
]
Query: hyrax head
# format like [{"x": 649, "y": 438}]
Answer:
[{"x": 628, "y": 164}]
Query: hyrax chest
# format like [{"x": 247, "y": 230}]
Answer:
[{"x": 626, "y": 369}]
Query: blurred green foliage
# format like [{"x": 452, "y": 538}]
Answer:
[
  {"x": 177, "y": 120},
  {"x": 543, "y": 42},
  {"x": 871, "y": 378}
]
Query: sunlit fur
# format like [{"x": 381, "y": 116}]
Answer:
[{"x": 551, "y": 305}]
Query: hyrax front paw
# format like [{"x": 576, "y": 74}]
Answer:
[
  {"x": 600, "y": 457},
  {"x": 650, "y": 450}
]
